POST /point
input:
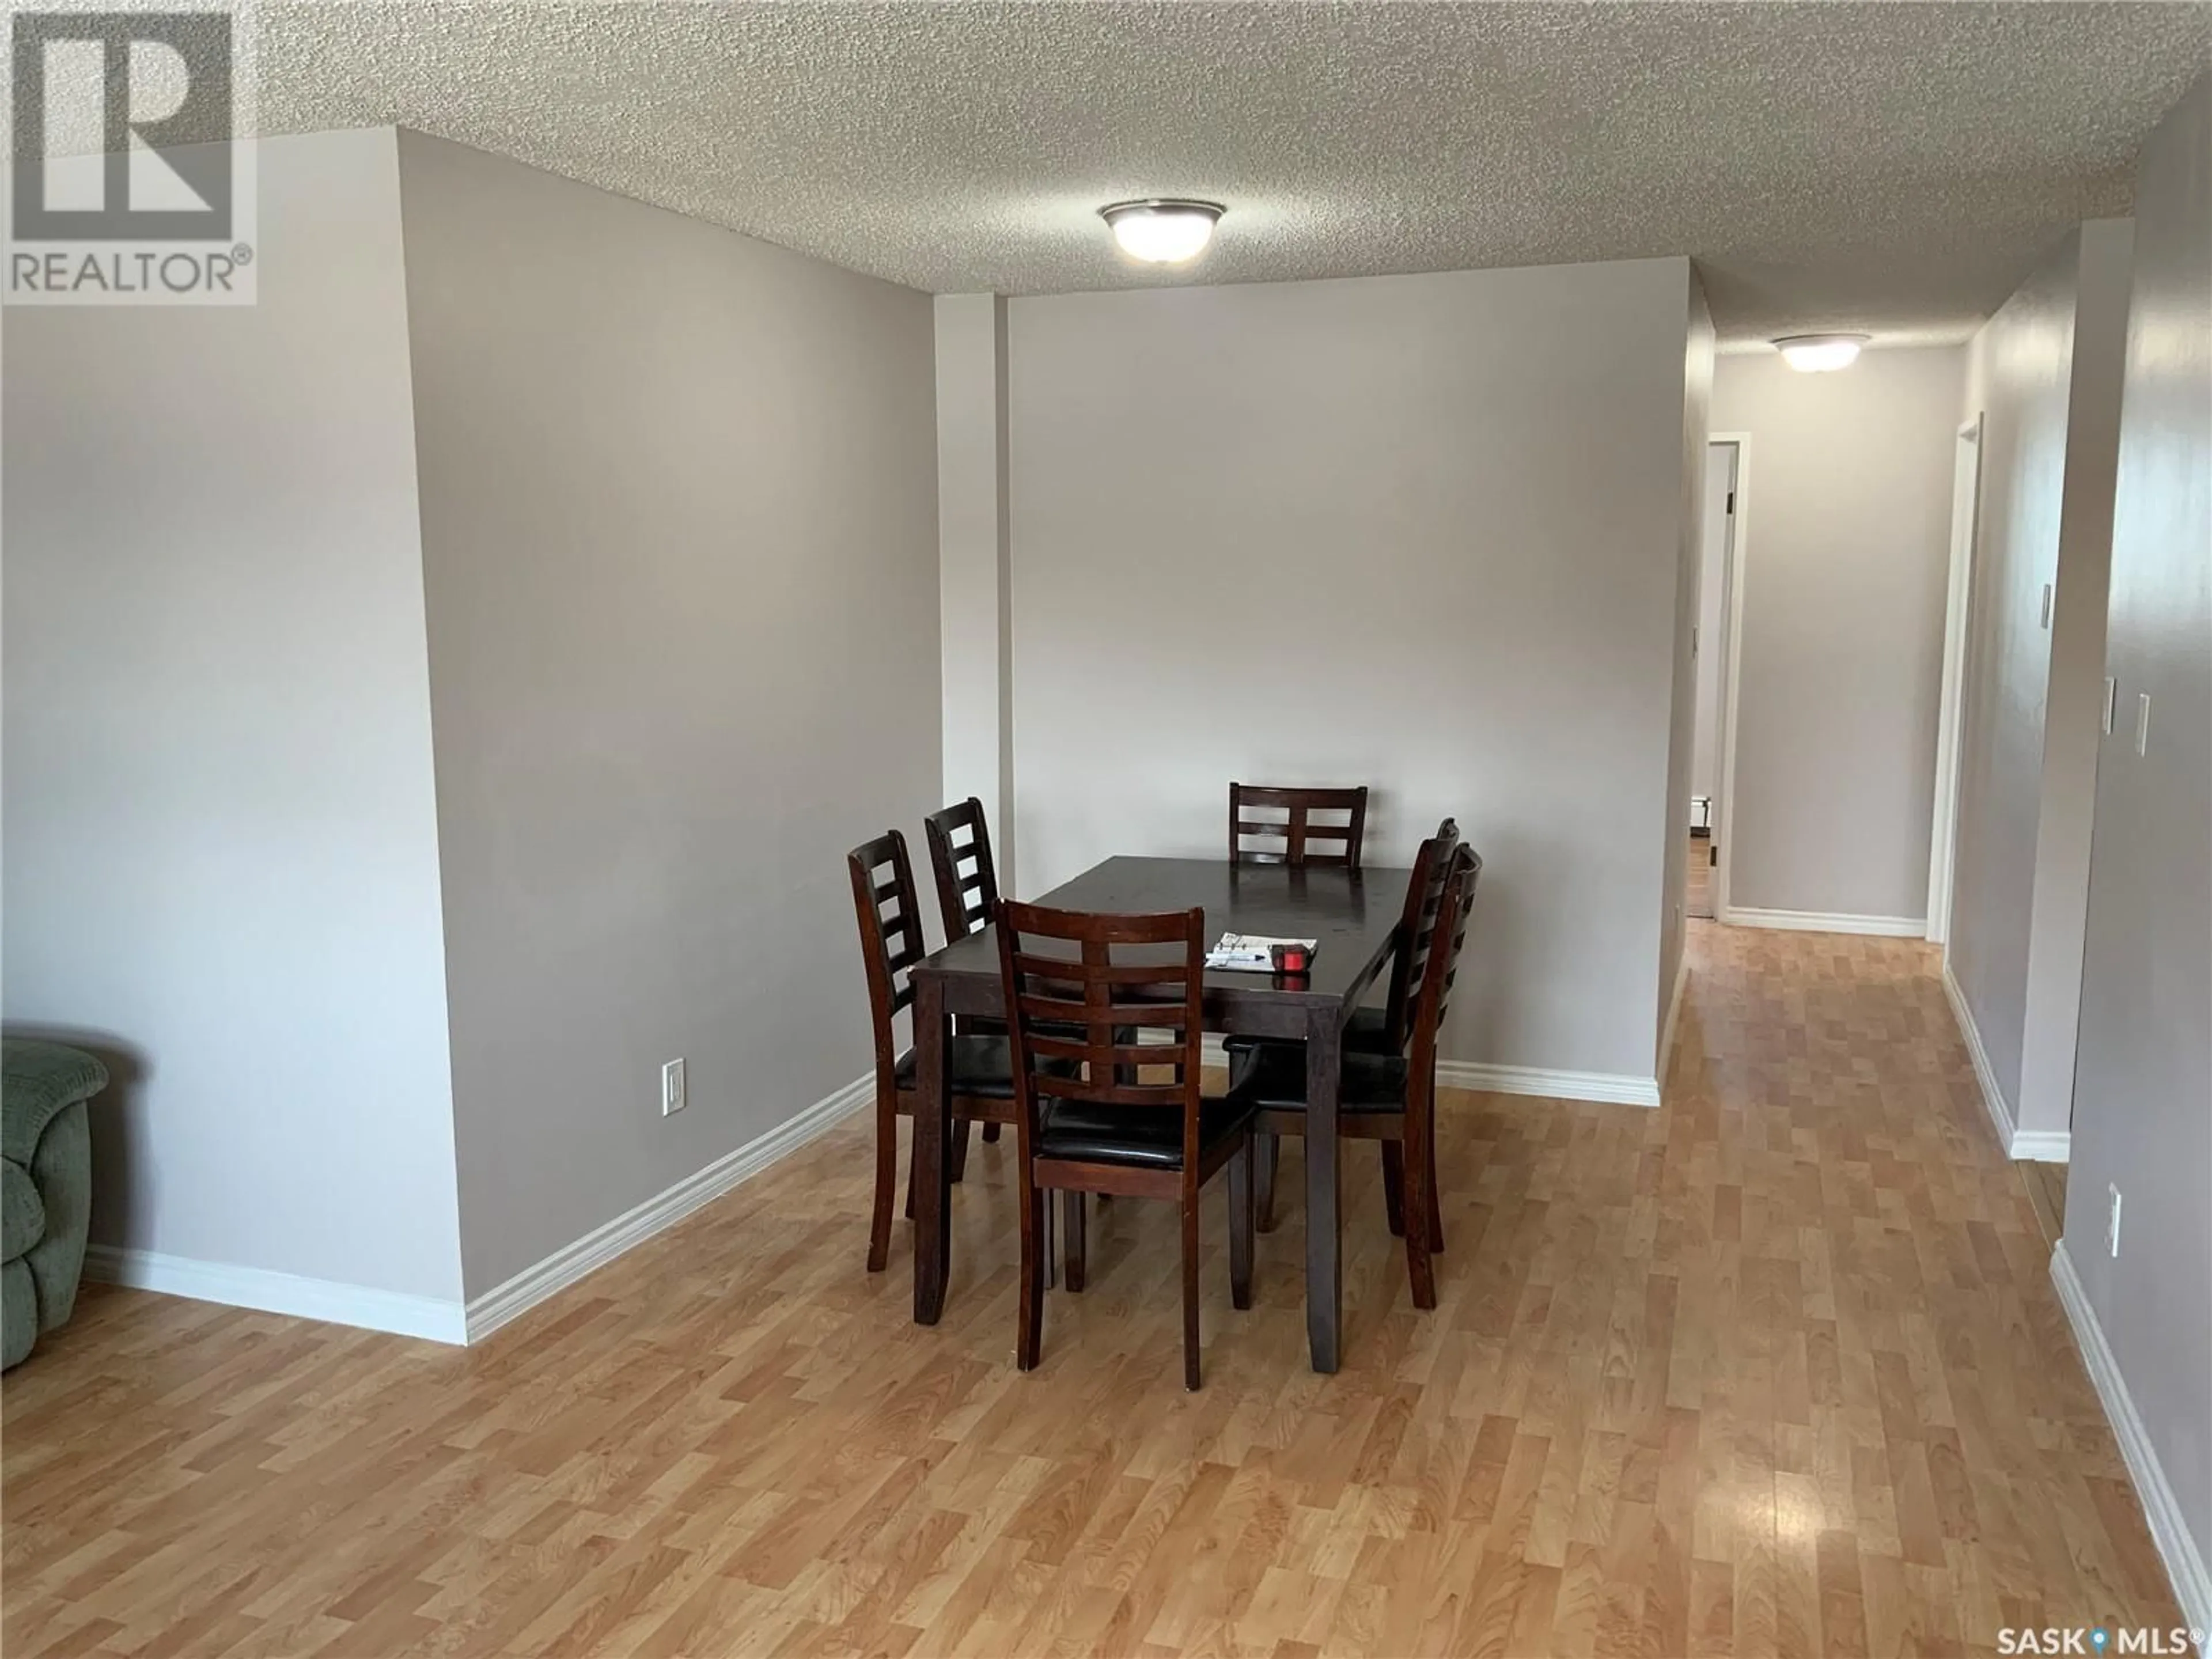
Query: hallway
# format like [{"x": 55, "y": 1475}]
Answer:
[
  {"x": 1776, "y": 1369},
  {"x": 1699, "y": 889}
]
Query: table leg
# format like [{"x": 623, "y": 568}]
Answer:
[
  {"x": 1324, "y": 1191},
  {"x": 933, "y": 1199}
]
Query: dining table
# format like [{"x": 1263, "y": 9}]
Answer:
[{"x": 1354, "y": 915}]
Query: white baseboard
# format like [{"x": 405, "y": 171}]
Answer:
[
  {"x": 450, "y": 1322},
  {"x": 1606, "y": 1088},
  {"x": 2169, "y": 1530},
  {"x": 2033, "y": 1145},
  {"x": 533, "y": 1285},
  {"x": 278, "y": 1293},
  {"x": 1673, "y": 1019},
  {"x": 1818, "y": 922},
  {"x": 1993, "y": 1100}
]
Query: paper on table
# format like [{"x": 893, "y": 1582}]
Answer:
[{"x": 1253, "y": 951}]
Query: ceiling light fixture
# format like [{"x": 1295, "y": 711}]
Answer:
[
  {"x": 1816, "y": 354},
  {"x": 1162, "y": 230}
]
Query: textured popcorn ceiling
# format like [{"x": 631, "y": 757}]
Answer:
[{"x": 1891, "y": 167}]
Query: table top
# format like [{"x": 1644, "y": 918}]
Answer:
[{"x": 1354, "y": 915}]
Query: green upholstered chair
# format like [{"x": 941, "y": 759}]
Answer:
[{"x": 45, "y": 1186}]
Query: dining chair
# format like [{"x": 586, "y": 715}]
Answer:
[
  {"x": 978, "y": 1067},
  {"x": 1289, "y": 838},
  {"x": 1387, "y": 1098},
  {"x": 1383, "y": 1030},
  {"x": 1098, "y": 1006},
  {"x": 960, "y": 835}
]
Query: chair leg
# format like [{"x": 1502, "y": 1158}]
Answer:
[
  {"x": 991, "y": 1133},
  {"x": 956, "y": 1153},
  {"x": 879, "y": 1216},
  {"x": 1394, "y": 1187},
  {"x": 1268, "y": 1150},
  {"x": 913, "y": 1173},
  {"x": 1420, "y": 1178},
  {"x": 1029, "y": 1335},
  {"x": 1240, "y": 1227},
  {"x": 1435, "y": 1204},
  {"x": 1071, "y": 1217},
  {"x": 1190, "y": 1290}
]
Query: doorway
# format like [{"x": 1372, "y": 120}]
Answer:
[{"x": 1711, "y": 643}]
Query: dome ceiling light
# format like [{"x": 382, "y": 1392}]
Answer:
[
  {"x": 1162, "y": 230},
  {"x": 1818, "y": 354}
]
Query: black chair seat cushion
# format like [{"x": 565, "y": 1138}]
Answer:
[
  {"x": 1272, "y": 1077},
  {"x": 975, "y": 1066},
  {"x": 980, "y": 1066},
  {"x": 1367, "y": 1032},
  {"x": 1147, "y": 1136}
]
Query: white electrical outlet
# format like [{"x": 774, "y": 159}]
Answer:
[
  {"x": 671, "y": 1087},
  {"x": 2112, "y": 1224}
]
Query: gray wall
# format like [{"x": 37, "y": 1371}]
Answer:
[
  {"x": 679, "y": 520},
  {"x": 2142, "y": 1112},
  {"x": 2047, "y": 386},
  {"x": 1448, "y": 510},
  {"x": 221, "y": 857},
  {"x": 2019, "y": 374},
  {"x": 1846, "y": 519},
  {"x": 2073, "y": 697}
]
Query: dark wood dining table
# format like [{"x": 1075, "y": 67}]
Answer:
[{"x": 1354, "y": 913}]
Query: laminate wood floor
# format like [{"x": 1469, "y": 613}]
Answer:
[{"x": 1777, "y": 1369}]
